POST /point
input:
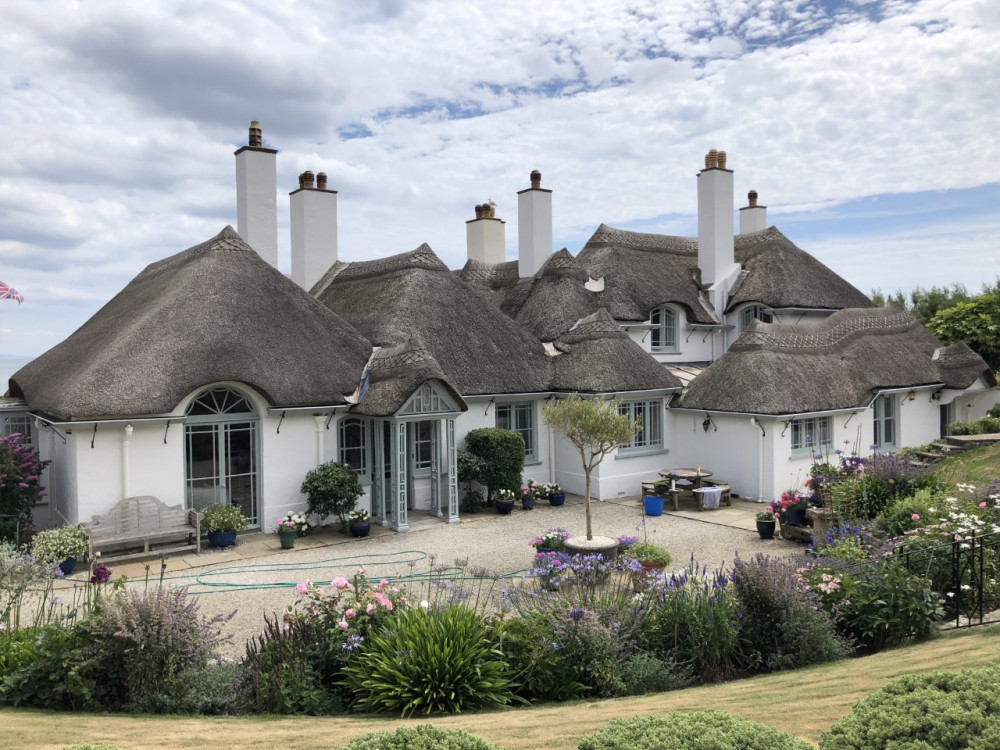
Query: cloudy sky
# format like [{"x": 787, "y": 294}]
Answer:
[{"x": 869, "y": 128}]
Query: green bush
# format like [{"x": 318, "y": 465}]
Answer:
[
  {"x": 430, "y": 661},
  {"x": 924, "y": 712},
  {"x": 333, "y": 489},
  {"x": 897, "y": 519},
  {"x": 216, "y": 690},
  {"x": 538, "y": 670},
  {"x": 781, "y": 624},
  {"x": 994, "y": 410},
  {"x": 423, "y": 737},
  {"x": 59, "y": 674},
  {"x": 701, "y": 730},
  {"x": 648, "y": 552},
  {"x": 646, "y": 673},
  {"x": 988, "y": 425},
  {"x": 470, "y": 471},
  {"x": 502, "y": 453}
]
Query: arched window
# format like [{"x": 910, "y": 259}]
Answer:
[
  {"x": 221, "y": 447},
  {"x": 353, "y": 445},
  {"x": 752, "y": 313},
  {"x": 663, "y": 334}
]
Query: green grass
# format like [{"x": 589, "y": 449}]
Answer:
[
  {"x": 977, "y": 466},
  {"x": 804, "y": 702}
]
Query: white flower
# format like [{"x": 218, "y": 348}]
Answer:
[{"x": 424, "y": 604}]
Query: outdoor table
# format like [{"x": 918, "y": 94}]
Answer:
[{"x": 694, "y": 476}]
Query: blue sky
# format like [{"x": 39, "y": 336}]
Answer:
[{"x": 868, "y": 128}]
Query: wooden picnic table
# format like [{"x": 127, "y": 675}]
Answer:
[{"x": 692, "y": 476}]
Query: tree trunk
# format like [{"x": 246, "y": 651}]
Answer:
[{"x": 586, "y": 502}]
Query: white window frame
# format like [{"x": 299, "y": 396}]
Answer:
[
  {"x": 751, "y": 313},
  {"x": 664, "y": 326},
  {"x": 885, "y": 415},
  {"x": 21, "y": 423},
  {"x": 519, "y": 416},
  {"x": 812, "y": 436},
  {"x": 359, "y": 447},
  {"x": 423, "y": 468},
  {"x": 649, "y": 414}
]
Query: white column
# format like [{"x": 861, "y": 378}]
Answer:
[
  {"x": 257, "y": 196},
  {"x": 313, "y": 230},
  {"x": 534, "y": 227},
  {"x": 320, "y": 429},
  {"x": 126, "y": 474},
  {"x": 452, "y": 473},
  {"x": 399, "y": 515}
]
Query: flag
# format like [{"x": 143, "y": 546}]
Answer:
[{"x": 8, "y": 292}]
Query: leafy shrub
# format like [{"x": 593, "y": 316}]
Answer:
[
  {"x": 470, "y": 471},
  {"x": 17, "y": 650},
  {"x": 782, "y": 624},
  {"x": 217, "y": 690},
  {"x": 423, "y": 737},
  {"x": 927, "y": 711},
  {"x": 898, "y": 518},
  {"x": 333, "y": 489},
  {"x": 995, "y": 410},
  {"x": 502, "y": 454},
  {"x": 59, "y": 674},
  {"x": 20, "y": 472},
  {"x": 646, "y": 673},
  {"x": 849, "y": 543},
  {"x": 694, "y": 622},
  {"x": 152, "y": 639},
  {"x": 55, "y": 545},
  {"x": 539, "y": 670},
  {"x": 430, "y": 661},
  {"x": 886, "y": 478},
  {"x": 700, "y": 730},
  {"x": 221, "y": 517},
  {"x": 648, "y": 552},
  {"x": 988, "y": 425}
]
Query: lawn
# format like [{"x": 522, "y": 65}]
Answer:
[
  {"x": 978, "y": 466},
  {"x": 803, "y": 702}
]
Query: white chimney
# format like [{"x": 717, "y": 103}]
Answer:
[
  {"x": 257, "y": 196},
  {"x": 534, "y": 227},
  {"x": 485, "y": 236},
  {"x": 715, "y": 219},
  {"x": 314, "y": 229},
  {"x": 753, "y": 218}
]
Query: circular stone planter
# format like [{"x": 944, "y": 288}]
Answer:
[{"x": 599, "y": 545}]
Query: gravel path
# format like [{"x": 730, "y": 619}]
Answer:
[{"x": 487, "y": 540}]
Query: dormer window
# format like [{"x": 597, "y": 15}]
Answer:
[
  {"x": 752, "y": 313},
  {"x": 663, "y": 333}
]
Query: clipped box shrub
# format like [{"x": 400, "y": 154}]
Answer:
[
  {"x": 423, "y": 737},
  {"x": 701, "y": 730},
  {"x": 925, "y": 712},
  {"x": 502, "y": 454}
]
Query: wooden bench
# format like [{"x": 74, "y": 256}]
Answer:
[{"x": 143, "y": 520}]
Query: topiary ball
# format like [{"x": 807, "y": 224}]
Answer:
[{"x": 423, "y": 737}]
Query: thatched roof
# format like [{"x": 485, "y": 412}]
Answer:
[
  {"x": 215, "y": 312},
  {"x": 414, "y": 299},
  {"x": 599, "y": 357},
  {"x": 840, "y": 363},
  {"x": 395, "y": 373},
  {"x": 778, "y": 274},
  {"x": 558, "y": 298}
]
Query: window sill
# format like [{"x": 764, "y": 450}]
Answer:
[
  {"x": 532, "y": 461},
  {"x": 636, "y": 452},
  {"x": 671, "y": 352}
]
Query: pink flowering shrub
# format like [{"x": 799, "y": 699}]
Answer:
[{"x": 20, "y": 475}]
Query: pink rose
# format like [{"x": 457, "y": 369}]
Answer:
[
  {"x": 349, "y": 613},
  {"x": 915, "y": 517},
  {"x": 340, "y": 582},
  {"x": 982, "y": 504},
  {"x": 302, "y": 588},
  {"x": 343, "y": 625},
  {"x": 370, "y": 610}
]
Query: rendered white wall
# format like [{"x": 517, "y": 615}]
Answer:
[
  {"x": 313, "y": 217},
  {"x": 257, "y": 201},
  {"x": 753, "y": 219},
  {"x": 486, "y": 241},
  {"x": 730, "y": 452},
  {"x": 715, "y": 224},
  {"x": 700, "y": 345},
  {"x": 534, "y": 230},
  {"x": 482, "y": 413}
]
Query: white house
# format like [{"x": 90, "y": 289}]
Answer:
[{"x": 212, "y": 377}]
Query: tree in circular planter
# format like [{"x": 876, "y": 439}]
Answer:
[{"x": 333, "y": 489}]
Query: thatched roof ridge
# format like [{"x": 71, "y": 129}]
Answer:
[
  {"x": 599, "y": 357},
  {"x": 414, "y": 299},
  {"x": 840, "y": 363},
  {"x": 395, "y": 373},
  {"x": 555, "y": 299},
  {"x": 215, "y": 312},
  {"x": 643, "y": 271},
  {"x": 778, "y": 274}
]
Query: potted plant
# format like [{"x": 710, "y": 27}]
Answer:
[
  {"x": 333, "y": 489},
  {"x": 222, "y": 522},
  {"x": 651, "y": 557},
  {"x": 555, "y": 494},
  {"x": 550, "y": 568},
  {"x": 289, "y": 528},
  {"x": 505, "y": 502},
  {"x": 766, "y": 523},
  {"x": 553, "y": 540},
  {"x": 793, "y": 508},
  {"x": 359, "y": 523},
  {"x": 529, "y": 493},
  {"x": 61, "y": 546}
]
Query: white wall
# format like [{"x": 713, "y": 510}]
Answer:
[
  {"x": 693, "y": 345},
  {"x": 482, "y": 413},
  {"x": 730, "y": 448}
]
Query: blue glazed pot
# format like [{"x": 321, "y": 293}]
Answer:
[
  {"x": 528, "y": 503},
  {"x": 505, "y": 508},
  {"x": 359, "y": 530},
  {"x": 67, "y": 566},
  {"x": 653, "y": 505},
  {"x": 222, "y": 538},
  {"x": 558, "y": 499}
]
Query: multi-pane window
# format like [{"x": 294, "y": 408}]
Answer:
[
  {"x": 812, "y": 436},
  {"x": 663, "y": 334},
  {"x": 752, "y": 313},
  {"x": 885, "y": 423},
  {"x": 17, "y": 423},
  {"x": 648, "y": 416},
  {"x": 423, "y": 440},
  {"x": 353, "y": 447},
  {"x": 521, "y": 419}
]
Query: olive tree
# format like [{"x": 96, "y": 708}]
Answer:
[{"x": 595, "y": 428}]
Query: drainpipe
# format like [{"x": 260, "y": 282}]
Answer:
[{"x": 126, "y": 477}]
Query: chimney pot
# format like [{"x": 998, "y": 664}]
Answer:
[
  {"x": 722, "y": 159},
  {"x": 536, "y": 179},
  {"x": 302, "y": 179},
  {"x": 256, "y": 138},
  {"x": 307, "y": 179},
  {"x": 479, "y": 211},
  {"x": 491, "y": 210},
  {"x": 752, "y": 197},
  {"x": 712, "y": 159},
  {"x": 321, "y": 181}
]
